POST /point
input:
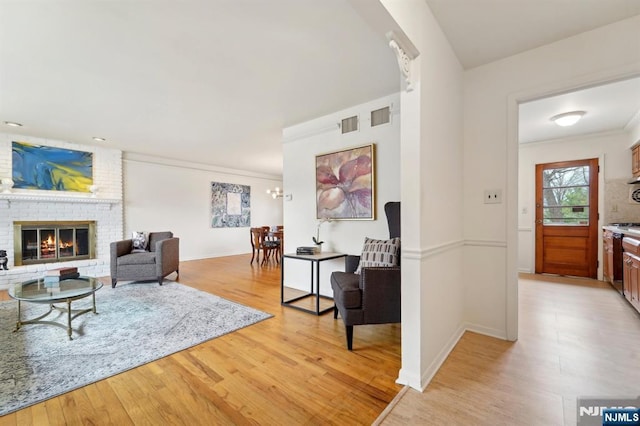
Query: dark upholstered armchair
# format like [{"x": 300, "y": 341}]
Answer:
[
  {"x": 160, "y": 259},
  {"x": 373, "y": 296}
]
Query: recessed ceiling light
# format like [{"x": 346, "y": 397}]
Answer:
[
  {"x": 567, "y": 118},
  {"x": 12, "y": 124},
  {"x": 98, "y": 139}
]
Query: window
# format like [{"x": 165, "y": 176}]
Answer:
[{"x": 565, "y": 196}]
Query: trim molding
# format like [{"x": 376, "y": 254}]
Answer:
[
  {"x": 446, "y": 350},
  {"x": 442, "y": 356},
  {"x": 292, "y": 136},
  {"x": 420, "y": 254},
  {"x": 17, "y": 196},
  {"x": 486, "y": 331},
  {"x": 485, "y": 243},
  {"x": 139, "y": 158},
  {"x": 442, "y": 248}
]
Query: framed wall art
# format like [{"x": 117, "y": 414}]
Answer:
[
  {"x": 345, "y": 184},
  {"x": 230, "y": 205},
  {"x": 51, "y": 168}
]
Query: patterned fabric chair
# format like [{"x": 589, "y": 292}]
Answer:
[
  {"x": 160, "y": 258},
  {"x": 371, "y": 296}
]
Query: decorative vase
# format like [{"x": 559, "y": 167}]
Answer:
[
  {"x": 319, "y": 248},
  {"x": 7, "y": 184}
]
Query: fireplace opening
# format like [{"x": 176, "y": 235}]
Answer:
[{"x": 44, "y": 242}]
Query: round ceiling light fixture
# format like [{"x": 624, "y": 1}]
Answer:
[
  {"x": 568, "y": 118},
  {"x": 99, "y": 139}
]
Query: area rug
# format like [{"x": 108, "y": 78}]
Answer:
[{"x": 136, "y": 323}]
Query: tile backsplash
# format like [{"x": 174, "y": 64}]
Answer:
[{"x": 617, "y": 207}]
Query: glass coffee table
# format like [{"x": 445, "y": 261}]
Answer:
[{"x": 65, "y": 291}]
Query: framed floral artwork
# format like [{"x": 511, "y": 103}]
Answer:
[{"x": 345, "y": 184}]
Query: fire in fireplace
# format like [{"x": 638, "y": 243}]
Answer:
[{"x": 44, "y": 242}]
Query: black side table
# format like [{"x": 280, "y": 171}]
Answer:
[{"x": 314, "y": 260}]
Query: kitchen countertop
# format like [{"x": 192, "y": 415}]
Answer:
[{"x": 632, "y": 231}]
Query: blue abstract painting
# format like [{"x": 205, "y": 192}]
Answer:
[
  {"x": 230, "y": 205},
  {"x": 50, "y": 168}
]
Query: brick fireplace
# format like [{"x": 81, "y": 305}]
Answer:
[
  {"x": 103, "y": 215},
  {"x": 104, "y": 211}
]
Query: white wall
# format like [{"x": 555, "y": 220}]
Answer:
[
  {"x": 431, "y": 133},
  {"x": 492, "y": 93},
  {"x": 167, "y": 195},
  {"x": 615, "y": 170},
  {"x": 320, "y": 136}
]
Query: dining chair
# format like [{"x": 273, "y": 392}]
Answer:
[
  {"x": 260, "y": 242},
  {"x": 272, "y": 244},
  {"x": 256, "y": 243}
]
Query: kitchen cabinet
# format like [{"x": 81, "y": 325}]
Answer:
[
  {"x": 635, "y": 160},
  {"x": 612, "y": 257},
  {"x": 631, "y": 271},
  {"x": 607, "y": 254}
]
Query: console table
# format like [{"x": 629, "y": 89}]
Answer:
[{"x": 314, "y": 261}]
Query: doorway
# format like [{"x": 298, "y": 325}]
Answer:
[{"x": 566, "y": 223}]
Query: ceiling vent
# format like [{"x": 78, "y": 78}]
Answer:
[
  {"x": 634, "y": 194},
  {"x": 349, "y": 124},
  {"x": 380, "y": 116}
]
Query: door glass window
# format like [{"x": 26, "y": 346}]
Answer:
[{"x": 565, "y": 195}]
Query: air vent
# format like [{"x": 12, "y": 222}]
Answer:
[
  {"x": 349, "y": 124},
  {"x": 380, "y": 116},
  {"x": 634, "y": 194}
]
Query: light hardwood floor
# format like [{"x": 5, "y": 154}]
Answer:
[
  {"x": 577, "y": 338},
  {"x": 291, "y": 369}
]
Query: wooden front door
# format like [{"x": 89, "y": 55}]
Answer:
[{"x": 567, "y": 218}]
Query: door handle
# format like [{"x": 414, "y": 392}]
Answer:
[{"x": 539, "y": 221}]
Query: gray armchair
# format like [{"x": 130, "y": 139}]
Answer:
[
  {"x": 161, "y": 259},
  {"x": 373, "y": 296}
]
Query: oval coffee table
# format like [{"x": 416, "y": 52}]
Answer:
[{"x": 64, "y": 291}]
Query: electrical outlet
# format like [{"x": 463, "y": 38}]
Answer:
[{"x": 493, "y": 196}]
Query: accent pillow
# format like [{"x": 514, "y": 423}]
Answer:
[
  {"x": 379, "y": 253},
  {"x": 139, "y": 242}
]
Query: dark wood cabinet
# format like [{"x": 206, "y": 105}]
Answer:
[
  {"x": 612, "y": 258},
  {"x": 607, "y": 254}
]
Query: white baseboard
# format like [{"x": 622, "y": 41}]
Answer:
[{"x": 431, "y": 371}]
